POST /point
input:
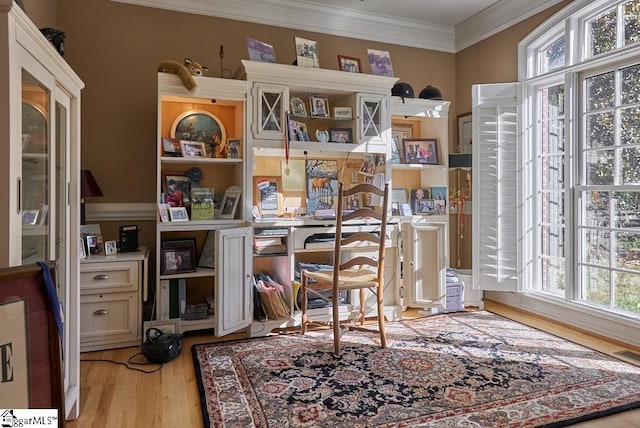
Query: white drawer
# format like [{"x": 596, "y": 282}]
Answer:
[
  {"x": 112, "y": 277},
  {"x": 109, "y": 318}
]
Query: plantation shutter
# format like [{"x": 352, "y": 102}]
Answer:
[{"x": 495, "y": 187}]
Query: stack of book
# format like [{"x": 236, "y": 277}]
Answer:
[{"x": 269, "y": 245}]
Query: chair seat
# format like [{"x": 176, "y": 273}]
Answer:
[{"x": 349, "y": 279}]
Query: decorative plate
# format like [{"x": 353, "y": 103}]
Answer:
[{"x": 200, "y": 125}]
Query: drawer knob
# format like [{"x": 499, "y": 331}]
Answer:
[
  {"x": 101, "y": 277},
  {"x": 101, "y": 312}
]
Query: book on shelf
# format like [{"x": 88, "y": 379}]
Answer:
[
  {"x": 270, "y": 249},
  {"x": 266, "y": 241},
  {"x": 202, "y": 206}
]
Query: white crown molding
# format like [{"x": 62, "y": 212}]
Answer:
[
  {"x": 120, "y": 212},
  {"x": 496, "y": 18},
  {"x": 317, "y": 18}
]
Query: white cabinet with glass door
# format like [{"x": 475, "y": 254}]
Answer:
[{"x": 40, "y": 107}]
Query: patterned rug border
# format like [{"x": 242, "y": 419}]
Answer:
[{"x": 559, "y": 424}]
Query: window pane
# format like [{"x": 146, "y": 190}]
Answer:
[
  {"x": 600, "y": 130},
  {"x": 628, "y": 251},
  {"x": 595, "y": 250},
  {"x": 596, "y": 209},
  {"x": 627, "y": 210},
  {"x": 630, "y": 85},
  {"x": 553, "y": 241},
  {"x": 629, "y": 129},
  {"x": 601, "y": 91},
  {"x": 597, "y": 285},
  {"x": 552, "y": 207},
  {"x": 627, "y": 292},
  {"x": 600, "y": 167},
  {"x": 631, "y": 166},
  {"x": 603, "y": 33},
  {"x": 553, "y": 101},
  {"x": 631, "y": 22},
  {"x": 553, "y": 274},
  {"x": 553, "y": 56},
  {"x": 552, "y": 168}
]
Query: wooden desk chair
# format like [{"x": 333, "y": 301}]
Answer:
[{"x": 355, "y": 273}]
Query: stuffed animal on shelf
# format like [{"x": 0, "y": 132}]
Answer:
[{"x": 184, "y": 71}]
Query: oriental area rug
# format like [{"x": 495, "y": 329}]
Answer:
[{"x": 466, "y": 369}]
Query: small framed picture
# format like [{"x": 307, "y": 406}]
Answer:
[
  {"x": 319, "y": 106},
  {"x": 307, "y": 53},
  {"x": 82, "y": 249},
  {"x": 260, "y": 51},
  {"x": 95, "y": 244},
  {"x": 110, "y": 248},
  {"x": 177, "y": 260},
  {"x": 171, "y": 147},
  {"x": 297, "y": 107},
  {"x": 176, "y": 187},
  {"x": 230, "y": 202},
  {"x": 267, "y": 195},
  {"x": 163, "y": 212},
  {"x": 233, "y": 151},
  {"x": 419, "y": 198},
  {"x": 380, "y": 62},
  {"x": 30, "y": 216},
  {"x": 340, "y": 135},
  {"x": 349, "y": 63},
  {"x": 342, "y": 113},
  {"x": 193, "y": 149},
  {"x": 465, "y": 133},
  {"x": 178, "y": 214},
  {"x": 405, "y": 209},
  {"x": 421, "y": 151}
]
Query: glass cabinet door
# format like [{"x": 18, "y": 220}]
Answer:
[
  {"x": 270, "y": 111},
  {"x": 35, "y": 186},
  {"x": 370, "y": 117}
]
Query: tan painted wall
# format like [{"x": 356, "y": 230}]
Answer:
[{"x": 43, "y": 13}]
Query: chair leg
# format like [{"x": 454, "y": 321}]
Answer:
[
  {"x": 361, "y": 306},
  {"x": 383, "y": 334},
  {"x": 336, "y": 325},
  {"x": 303, "y": 290}
]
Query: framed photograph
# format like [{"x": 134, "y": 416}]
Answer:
[
  {"x": 267, "y": 195},
  {"x": 110, "y": 248},
  {"x": 298, "y": 131},
  {"x": 343, "y": 113},
  {"x": 82, "y": 249},
  {"x": 340, "y": 135},
  {"x": 193, "y": 149},
  {"x": 260, "y": 51},
  {"x": 177, "y": 260},
  {"x": 405, "y": 209},
  {"x": 30, "y": 216},
  {"x": 380, "y": 62},
  {"x": 306, "y": 53},
  {"x": 207, "y": 258},
  {"x": 163, "y": 212},
  {"x": 349, "y": 63},
  {"x": 465, "y": 133},
  {"x": 230, "y": 202},
  {"x": 43, "y": 212},
  {"x": 171, "y": 147},
  {"x": 176, "y": 187},
  {"x": 201, "y": 126},
  {"x": 95, "y": 244},
  {"x": 353, "y": 202},
  {"x": 233, "y": 151},
  {"x": 319, "y": 106},
  {"x": 178, "y": 214},
  {"x": 396, "y": 151},
  {"x": 419, "y": 198},
  {"x": 297, "y": 107},
  {"x": 420, "y": 151}
]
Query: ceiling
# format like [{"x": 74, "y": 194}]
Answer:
[{"x": 442, "y": 25}]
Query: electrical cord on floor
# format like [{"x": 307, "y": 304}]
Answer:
[{"x": 127, "y": 364}]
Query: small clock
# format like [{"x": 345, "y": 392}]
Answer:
[{"x": 195, "y": 175}]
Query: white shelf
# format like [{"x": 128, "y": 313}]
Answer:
[
  {"x": 183, "y": 160},
  {"x": 189, "y": 226},
  {"x": 199, "y": 273},
  {"x": 415, "y": 166}
]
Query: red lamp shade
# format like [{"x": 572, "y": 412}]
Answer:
[{"x": 89, "y": 186}]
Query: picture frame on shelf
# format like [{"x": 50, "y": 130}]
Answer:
[
  {"x": 30, "y": 216},
  {"x": 349, "y": 63},
  {"x": 43, "y": 212},
  {"x": 177, "y": 260},
  {"x": 340, "y": 135},
  {"x": 396, "y": 151},
  {"x": 163, "y": 212},
  {"x": 82, "y": 249},
  {"x": 201, "y": 126},
  {"x": 405, "y": 209},
  {"x": 230, "y": 202},
  {"x": 193, "y": 149},
  {"x": 298, "y": 131},
  {"x": 306, "y": 53},
  {"x": 380, "y": 62},
  {"x": 465, "y": 133},
  {"x": 171, "y": 147},
  {"x": 319, "y": 105},
  {"x": 343, "y": 113},
  {"x": 260, "y": 51},
  {"x": 176, "y": 187},
  {"x": 297, "y": 107},
  {"x": 178, "y": 214},
  {"x": 110, "y": 248},
  {"x": 234, "y": 148},
  {"x": 267, "y": 195},
  {"x": 422, "y": 151},
  {"x": 419, "y": 201}
]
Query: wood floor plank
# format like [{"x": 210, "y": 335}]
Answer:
[{"x": 113, "y": 396}]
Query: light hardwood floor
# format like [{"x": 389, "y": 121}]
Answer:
[{"x": 113, "y": 396}]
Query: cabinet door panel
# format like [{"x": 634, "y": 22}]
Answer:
[
  {"x": 270, "y": 119},
  {"x": 426, "y": 273},
  {"x": 233, "y": 267}
]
